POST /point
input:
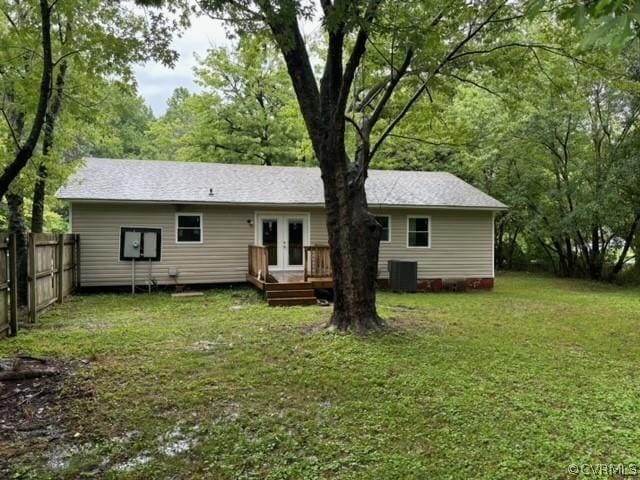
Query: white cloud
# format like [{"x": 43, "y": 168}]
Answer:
[{"x": 156, "y": 82}]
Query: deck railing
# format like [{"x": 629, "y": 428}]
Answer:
[
  {"x": 317, "y": 262},
  {"x": 259, "y": 262}
]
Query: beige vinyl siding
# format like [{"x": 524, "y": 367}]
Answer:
[
  {"x": 461, "y": 242},
  {"x": 220, "y": 258},
  {"x": 319, "y": 228}
]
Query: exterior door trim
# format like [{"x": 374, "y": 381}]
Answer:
[{"x": 282, "y": 218}]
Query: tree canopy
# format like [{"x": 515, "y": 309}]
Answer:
[{"x": 536, "y": 103}]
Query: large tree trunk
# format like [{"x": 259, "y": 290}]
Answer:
[
  {"x": 353, "y": 233},
  {"x": 17, "y": 227},
  {"x": 354, "y": 237}
]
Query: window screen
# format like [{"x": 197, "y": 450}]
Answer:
[
  {"x": 418, "y": 232},
  {"x": 384, "y": 222},
  {"x": 189, "y": 228}
]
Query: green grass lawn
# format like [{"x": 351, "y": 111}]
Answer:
[{"x": 515, "y": 383}]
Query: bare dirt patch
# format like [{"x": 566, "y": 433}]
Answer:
[{"x": 35, "y": 396}]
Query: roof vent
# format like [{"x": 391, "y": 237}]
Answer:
[{"x": 211, "y": 192}]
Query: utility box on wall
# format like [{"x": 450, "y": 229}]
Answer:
[
  {"x": 150, "y": 242},
  {"x": 140, "y": 243},
  {"x": 131, "y": 245}
]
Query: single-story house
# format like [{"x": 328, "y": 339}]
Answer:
[{"x": 167, "y": 223}]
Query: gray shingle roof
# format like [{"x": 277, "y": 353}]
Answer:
[{"x": 190, "y": 182}]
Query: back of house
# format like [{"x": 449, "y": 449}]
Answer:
[{"x": 170, "y": 223}]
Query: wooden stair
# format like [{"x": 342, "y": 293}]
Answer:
[{"x": 284, "y": 294}]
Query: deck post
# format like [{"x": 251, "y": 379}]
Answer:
[{"x": 13, "y": 285}]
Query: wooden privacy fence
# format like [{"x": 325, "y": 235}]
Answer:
[
  {"x": 53, "y": 269},
  {"x": 8, "y": 308},
  {"x": 53, "y": 273}
]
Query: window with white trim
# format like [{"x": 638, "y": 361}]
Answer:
[
  {"x": 189, "y": 228},
  {"x": 384, "y": 222},
  {"x": 418, "y": 234}
]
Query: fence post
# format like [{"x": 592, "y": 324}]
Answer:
[
  {"x": 13, "y": 286},
  {"x": 33, "y": 281},
  {"x": 76, "y": 261},
  {"x": 60, "y": 267}
]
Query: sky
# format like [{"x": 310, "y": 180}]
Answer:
[{"x": 156, "y": 82}]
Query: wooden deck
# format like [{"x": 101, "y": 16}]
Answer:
[
  {"x": 279, "y": 280},
  {"x": 290, "y": 287}
]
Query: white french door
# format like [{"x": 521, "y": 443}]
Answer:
[{"x": 285, "y": 236}]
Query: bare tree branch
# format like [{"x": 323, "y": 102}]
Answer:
[
  {"x": 424, "y": 87},
  {"x": 286, "y": 31},
  {"x": 9, "y": 19},
  {"x": 395, "y": 79},
  {"x": 252, "y": 14},
  {"x": 66, "y": 55},
  {"x": 475, "y": 84},
  {"x": 357, "y": 52},
  {"x": 379, "y": 52},
  {"x": 356, "y": 126},
  {"x": 11, "y": 130},
  {"x": 430, "y": 142},
  {"x": 372, "y": 94},
  {"x": 541, "y": 67}
]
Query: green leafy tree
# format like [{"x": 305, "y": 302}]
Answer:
[
  {"x": 246, "y": 112},
  {"x": 122, "y": 122},
  {"x": 170, "y": 136},
  {"x": 252, "y": 117},
  {"x": 49, "y": 49},
  {"x": 560, "y": 150},
  {"x": 399, "y": 53}
]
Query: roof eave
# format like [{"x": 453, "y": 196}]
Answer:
[{"x": 285, "y": 204}]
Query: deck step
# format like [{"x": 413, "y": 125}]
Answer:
[
  {"x": 291, "y": 301},
  {"x": 302, "y": 293},
  {"x": 287, "y": 286}
]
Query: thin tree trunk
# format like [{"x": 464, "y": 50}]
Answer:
[
  {"x": 17, "y": 226},
  {"x": 565, "y": 257},
  {"x": 549, "y": 252},
  {"x": 571, "y": 260},
  {"x": 512, "y": 248},
  {"x": 499, "y": 249},
  {"x": 40, "y": 188},
  {"x": 25, "y": 151},
  {"x": 595, "y": 262},
  {"x": 617, "y": 268},
  {"x": 38, "y": 202}
]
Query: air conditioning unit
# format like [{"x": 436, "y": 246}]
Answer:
[{"x": 403, "y": 275}]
